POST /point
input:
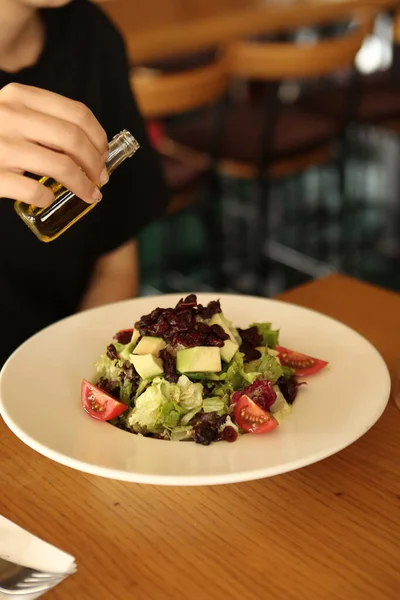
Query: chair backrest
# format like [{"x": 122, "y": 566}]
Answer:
[
  {"x": 291, "y": 60},
  {"x": 396, "y": 27},
  {"x": 162, "y": 95}
]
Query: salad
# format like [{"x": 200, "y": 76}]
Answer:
[{"x": 187, "y": 373}]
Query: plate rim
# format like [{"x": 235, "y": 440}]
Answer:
[{"x": 192, "y": 480}]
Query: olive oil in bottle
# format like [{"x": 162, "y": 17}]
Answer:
[{"x": 66, "y": 209}]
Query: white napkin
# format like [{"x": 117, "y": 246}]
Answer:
[{"x": 19, "y": 546}]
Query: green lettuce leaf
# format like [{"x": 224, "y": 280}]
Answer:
[
  {"x": 110, "y": 369},
  {"x": 216, "y": 404},
  {"x": 125, "y": 392},
  {"x": 181, "y": 433},
  {"x": 170, "y": 415},
  {"x": 118, "y": 346},
  {"x": 270, "y": 337},
  {"x": 266, "y": 367},
  {"x": 162, "y": 405},
  {"x": 288, "y": 372},
  {"x": 221, "y": 389},
  {"x": 147, "y": 415},
  {"x": 203, "y": 376},
  {"x": 142, "y": 386},
  {"x": 233, "y": 377},
  {"x": 235, "y": 374},
  {"x": 280, "y": 408},
  {"x": 189, "y": 416},
  {"x": 190, "y": 394}
]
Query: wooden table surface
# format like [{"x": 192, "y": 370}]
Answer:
[
  {"x": 327, "y": 532},
  {"x": 157, "y": 29}
]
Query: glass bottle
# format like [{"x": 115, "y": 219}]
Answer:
[{"x": 66, "y": 209}]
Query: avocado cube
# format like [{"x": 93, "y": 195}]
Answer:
[
  {"x": 229, "y": 350},
  {"x": 147, "y": 365},
  {"x": 135, "y": 336},
  {"x": 127, "y": 351},
  {"x": 230, "y": 346},
  {"x": 200, "y": 359},
  {"x": 150, "y": 345}
]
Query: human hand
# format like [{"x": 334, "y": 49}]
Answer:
[{"x": 48, "y": 135}]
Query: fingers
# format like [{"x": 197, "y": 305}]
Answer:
[
  {"x": 16, "y": 186},
  {"x": 49, "y": 135},
  {"x": 26, "y": 156},
  {"x": 57, "y": 106},
  {"x": 67, "y": 138}
]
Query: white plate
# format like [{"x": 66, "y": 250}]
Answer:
[{"x": 40, "y": 399}]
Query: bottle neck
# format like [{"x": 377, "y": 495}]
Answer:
[{"x": 122, "y": 146}]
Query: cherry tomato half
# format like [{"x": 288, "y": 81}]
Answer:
[
  {"x": 253, "y": 419},
  {"x": 302, "y": 364},
  {"x": 99, "y": 404}
]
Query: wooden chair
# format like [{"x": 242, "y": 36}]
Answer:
[
  {"x": 389, "y": 92},
  {"x": 377, "y": 105},
  {"x": 378, "y": 99},
  {"x": 273, "y": 140},
  {"x": 166, "y": 94}
]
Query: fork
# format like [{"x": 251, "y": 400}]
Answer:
[{"x": 17, "y": 579}]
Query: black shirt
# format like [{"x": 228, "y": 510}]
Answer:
[{"x": 84, "y": 59}]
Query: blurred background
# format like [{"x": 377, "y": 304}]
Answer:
[{"x": 277, "y": 123}]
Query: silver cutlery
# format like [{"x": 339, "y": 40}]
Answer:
[{"x": 16, "y": 579}]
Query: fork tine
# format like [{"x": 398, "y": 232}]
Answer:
[
  {"x": 34, "y": 581},
  {"x": 25, "y": 591},
  {"x": 23, "y": 585},
  {"x": 38, "y": 577},
  {"x": 44, "y": 574},
  {"x": 18, "y": 580}
]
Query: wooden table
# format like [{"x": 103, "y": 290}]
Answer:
[
  {"x": 157, "y": 29},
  {"x": 327, "y": 532}
]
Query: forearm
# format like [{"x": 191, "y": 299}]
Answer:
[
  {"x": 115, "y": 277},
  {"x": 104, "y": 289}
]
